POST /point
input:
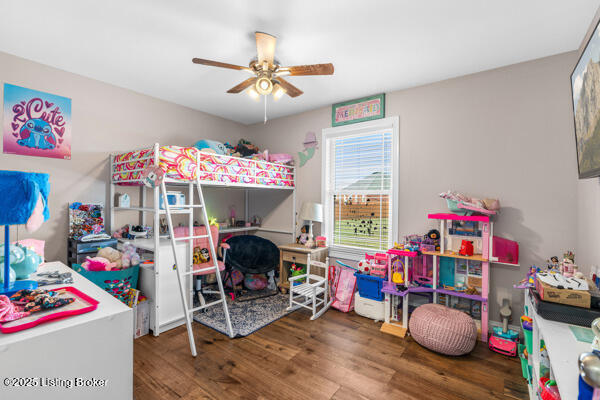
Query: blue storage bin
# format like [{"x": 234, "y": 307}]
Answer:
[
  {"x": 117, "y": 282},
  {"x": 369, "y": 286}
]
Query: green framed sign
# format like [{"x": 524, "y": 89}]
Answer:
[{"x": 359, "y": 110}]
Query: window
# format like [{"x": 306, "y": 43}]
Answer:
[{"x": 360, "y": 187}]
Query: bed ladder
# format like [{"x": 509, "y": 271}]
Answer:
[{"x": 187, "y": 269}]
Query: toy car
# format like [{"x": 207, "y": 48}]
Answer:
[{"x": 503, "y": 346}]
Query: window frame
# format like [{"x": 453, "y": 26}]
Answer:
[{"x": 327, "y": 134}]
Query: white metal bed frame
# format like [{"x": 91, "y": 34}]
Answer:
[{"x": 157, "y": 212}]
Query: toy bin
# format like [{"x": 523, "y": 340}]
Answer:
[
  {"x": 524, "y": 363},
  {"x": 369, "y": 286},
  {"x": 117, "y": 282},
  {"x": 369, "y": 308}
]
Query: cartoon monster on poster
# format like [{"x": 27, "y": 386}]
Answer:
[
  {"x": 37, "y": 133},
  {"x": 36, "y": 123}
]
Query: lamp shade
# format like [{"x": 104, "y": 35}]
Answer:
[{"x": 312, "y": 211}]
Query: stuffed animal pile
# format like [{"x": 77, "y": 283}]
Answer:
[
  {"x": 245, "y": 149},
  {"x": 109, "y": 259}
]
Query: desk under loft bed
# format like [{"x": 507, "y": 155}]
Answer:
[{"x": 181, "y": 166}]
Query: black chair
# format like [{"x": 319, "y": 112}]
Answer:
[{"x": 250, "y": 254}]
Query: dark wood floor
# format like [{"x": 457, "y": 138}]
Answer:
[{"x": 338, "y": 356}]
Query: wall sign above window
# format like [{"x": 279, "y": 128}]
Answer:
[{"x": 359, "y": 110}]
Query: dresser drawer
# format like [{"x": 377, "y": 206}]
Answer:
[{"x": 290, "y": 256}]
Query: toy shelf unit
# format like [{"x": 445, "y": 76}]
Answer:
[
  {"x": 408, "y": 272},
  {"x": 462, "y": 272},
  {"x": 180, "y": 168},
  {"x": 553, "y": 351}
]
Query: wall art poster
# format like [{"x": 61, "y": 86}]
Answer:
[{"x": 36, "y": 123}]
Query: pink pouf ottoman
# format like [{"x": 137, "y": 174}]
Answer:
[{"x": 443, "y": 330}]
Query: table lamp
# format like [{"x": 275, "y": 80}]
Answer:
[
  {"x": 311, "y": 212},
  {"x": 24, "y": 200}
]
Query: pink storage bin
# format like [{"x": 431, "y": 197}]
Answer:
[{"x": 506, "y": 250}]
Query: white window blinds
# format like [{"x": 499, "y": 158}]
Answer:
[{"x": 358, "y": 189}]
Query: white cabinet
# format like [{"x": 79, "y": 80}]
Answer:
[{"x": 159, "y": 283}]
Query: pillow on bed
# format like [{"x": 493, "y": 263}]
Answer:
[{"x": 211, "y": 146}]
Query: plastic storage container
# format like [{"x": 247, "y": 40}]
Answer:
[
  {"x": 369, "y": 286},
  {"x": 174, "y": 198},
  {"x": 369, "y": 308},
  {"x": 524, "y": 363},
  {"x": 117, "y": 282}
]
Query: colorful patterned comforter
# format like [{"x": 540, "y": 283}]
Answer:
[{"x": 180, "y": 163}]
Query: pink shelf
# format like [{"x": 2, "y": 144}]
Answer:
[
  {"x": 454, "y": 217},
  {"x": 404, "y": 253}
]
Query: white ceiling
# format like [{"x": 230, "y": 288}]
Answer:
[{"x": 376, "y": 46}]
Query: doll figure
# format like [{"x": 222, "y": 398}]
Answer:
[{"x": 303, "y": 238}]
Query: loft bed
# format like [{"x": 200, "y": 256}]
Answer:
[{"x": 181, "y": 166}]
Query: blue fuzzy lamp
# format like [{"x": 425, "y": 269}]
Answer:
[{"x": 23, "y": 200}]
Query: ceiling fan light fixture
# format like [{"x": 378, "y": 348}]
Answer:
[
  {"x": 278, "y": 91},
  {"x": 264, "y": 85},
  {"x": 253, "y": 93}
]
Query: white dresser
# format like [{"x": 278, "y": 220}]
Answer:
[{"x": 92, "y": 350}]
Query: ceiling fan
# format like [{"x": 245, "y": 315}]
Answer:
[{"x": 268, "y": 74}]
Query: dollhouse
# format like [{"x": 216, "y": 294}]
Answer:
[{"x": 452, "y": 276}]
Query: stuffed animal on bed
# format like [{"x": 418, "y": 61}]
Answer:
[
  {"x": 231, "y": 150},
  {"x": 211, "y": 146},
  {"x": 245, "y": 148}
]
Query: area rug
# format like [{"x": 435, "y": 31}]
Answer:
[{"x": 246, "y": 316}]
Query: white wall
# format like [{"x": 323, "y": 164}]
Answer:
[
  {"x": 105, "y": 119},
  {"x": 503, "y": 133}
]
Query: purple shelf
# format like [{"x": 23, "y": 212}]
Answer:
[
  {"x": 390, "y": 288},
  {"x": 461, "y": 294},
  {"x": 420, "y": 289}
]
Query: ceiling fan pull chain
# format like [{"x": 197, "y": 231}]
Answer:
[{"x": 265, "y": 109}]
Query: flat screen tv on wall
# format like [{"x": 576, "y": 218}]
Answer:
[{"x": 585, "y": 86}]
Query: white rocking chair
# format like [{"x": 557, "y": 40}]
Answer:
[{"x": 313, "y": 292}]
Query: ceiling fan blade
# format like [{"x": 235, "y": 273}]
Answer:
[
  {"x": 290, "y": 89},
  {"x": 218, "y": 64},
  {"x": 313, "y": 69},
  {"x": 265, "y": 47},
  {"x": 241, "y": 86}
]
